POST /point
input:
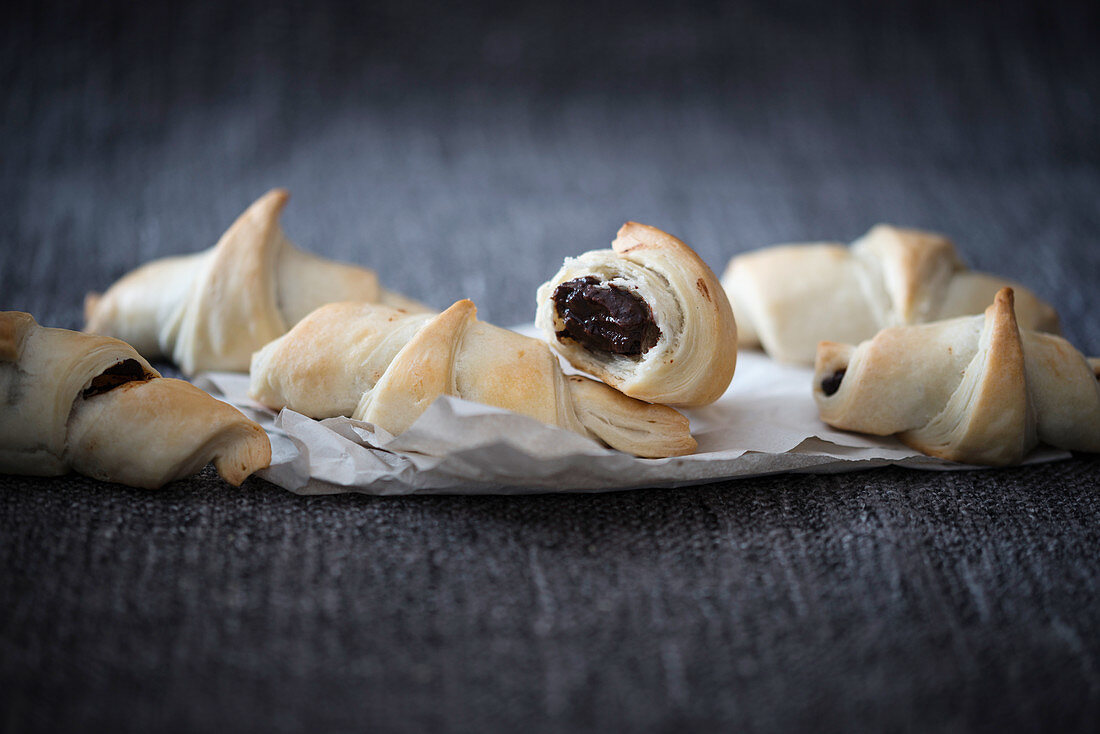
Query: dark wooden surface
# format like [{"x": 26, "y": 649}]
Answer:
[{"x": 464, "y": 155}]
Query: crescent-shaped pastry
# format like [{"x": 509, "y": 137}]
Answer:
[
  {"x": 647, "y": 317},
  {"x": 386, "y": 366},
  {"x": 974, "y": 389},
  {"x": 790, "y": 297},
  {"x": 211, "y": 310},
  {"x": 92, "y": 404}
]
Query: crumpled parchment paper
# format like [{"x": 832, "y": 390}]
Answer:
[{"x": 766, "y": 423}]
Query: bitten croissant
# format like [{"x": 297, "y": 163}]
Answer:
[
  {"x": 974, "y": 389},
  {"x": 211, "y": 310},
  {"x": 92, "y": 404},
  {"x": 647, "y": 317},
  {"x": 386, "y": 366},
  {"x": 790, "y": 297}
]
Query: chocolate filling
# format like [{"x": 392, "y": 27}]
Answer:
[
  {"x": 831, "y": 384},
  {"x": 129, "y": 370},
  {"x": 605, "y": 317}
]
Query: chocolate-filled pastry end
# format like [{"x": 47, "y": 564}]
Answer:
[
  {"x": 647, "y": 317},
  {"x": 128, "y": 370},
  {"x": 831, "y": 367},
  {"x": 605, "y": 317},
  {"x": 831, "y": 384}
]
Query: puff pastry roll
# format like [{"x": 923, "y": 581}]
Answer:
[
  {"x": 974, "y": 389},
  {"x": 211, "y": 310},
  {"x": 647, "y": 317},
  {"x": 790, "y": 297},
  {"x": 386, "y": 366},
  {"x": 92, "y": 404}
]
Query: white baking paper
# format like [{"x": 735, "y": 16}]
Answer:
[{"x": 766, "y": 423}]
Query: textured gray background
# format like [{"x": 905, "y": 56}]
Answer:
[{"x": 466, "y": 154}]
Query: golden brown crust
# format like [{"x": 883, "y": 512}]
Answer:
[
  {"x": 635, "y": 237},
  {"x": 13, "y": 325},
  {"x": 636, "y": 424},
  {"x": 148, "y": 433},
  {"x": 994, "y": 428},
  {"x": 912, "y": 260},
  {"x": 421, "y": 371}
]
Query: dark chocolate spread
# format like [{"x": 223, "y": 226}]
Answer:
[
  {"x": 129, "y": 370},
  {"x": 605, "y": 317},
  {"x": 831, "y": 384}
]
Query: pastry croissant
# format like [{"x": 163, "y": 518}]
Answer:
[
  {"x": 975, "y": 389},
  {"x": 92, "y": 404},
  {"x": 211, "y": 310},
  {"x": 790, "y": 297},
  {"x": 647, "y": 317},
  {"x": 386, "y": 366}
]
